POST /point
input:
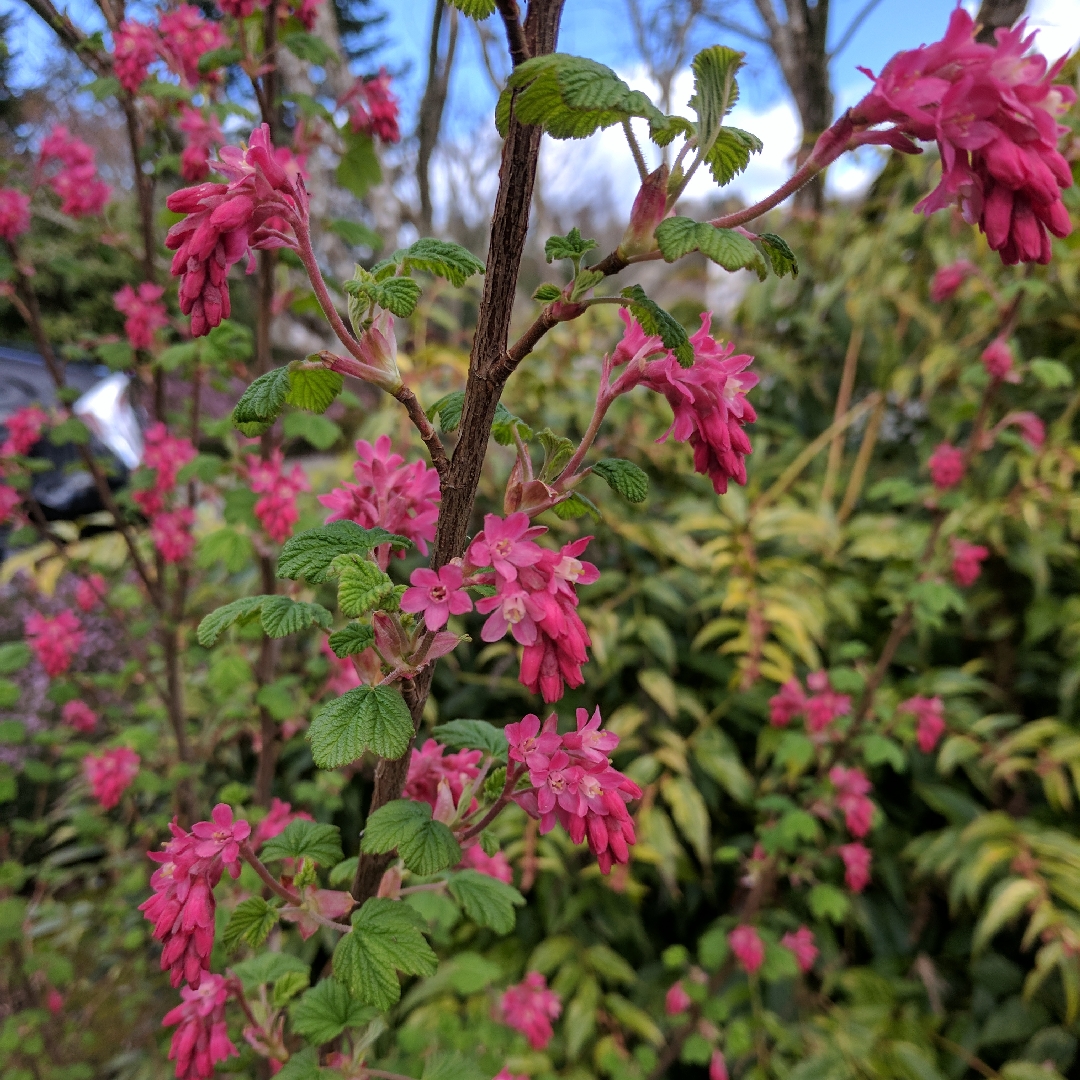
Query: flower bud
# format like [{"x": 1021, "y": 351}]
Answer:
[
  {"x": 379, "y": 348},
  {"x": 650, "y": 208},
  {"x": 949, "y": 278}
]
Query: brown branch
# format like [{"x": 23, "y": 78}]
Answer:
[
  {"x": 268, "y": 879},
  {"x": 862, "y": 462},
  {"x": 72, "y": 37},
  {"x": 843, "y": 400},
  {"x": 436, "y": 450},
  {"x": 515, "y": 33}
]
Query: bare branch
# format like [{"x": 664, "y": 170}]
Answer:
[{"x": 515, "y": 33}]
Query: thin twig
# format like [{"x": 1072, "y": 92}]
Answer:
[
  {"x": 515, "y": 33},
  {"x": 268, "y": 879},
  {"x": 635, "y": 149},
  {"x": 843, "y": 400}
]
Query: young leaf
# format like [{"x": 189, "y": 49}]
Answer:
[
  {"x": 385, "y": 939},
  {"x": 367, "y": 718},
  {"x": 426, "y": 846},
  {"x": 730, "y": 154},
  {"x": 268, "y": 967},
  {"x": 288, "y": 986},
  {"x": 303, "y": 1065},
  {"x": 399, "y": 295},
  {"x": 305, "y": 840},
  {"x": 314, "y": 429},
  {"x": 577, "y": 506},
  {"x": 313, "y": 388},
  {"x": 309, "y": 47},
  {"x": 441, "y": 258},
  {"x": 261, "y": 402},
  {"x": 226, "y": 546},
  {"x": 326, "y": 1010},
  {"x": 475, "y": 9},
  {"x": 502, "y": 429},
  {"x": 214, "y": 624},
  {"x": 572, "y": 246},
  {"x": 351, "y": 639},
  {"x": 584, "y": 281},
  {"x": 473, "y": 735},
  {"x": 486, "y": 900},
  {"x": 251, "y": 922},
  {"x": 655, "y": 320},
  {"x": 363, "y": 588},
  {"x": 624, "y": 477},
  {"x": 547, "y": 293},
  {"x": 448, "y": 408},
  {"x": 356, "y": 233},
  {"x": 282, "y": 616},
  {"x": 780, "y": 256},
  {"x": 558, "y": 450},
  {"x": 359, "y": 167},
  {"x": 215, "y": 59},
  {"x": 679, "y": 236},
  {"x": 344, "y": 872},
  {"x": 309, "y": 554},
  {"x": 715, "y": 90}
]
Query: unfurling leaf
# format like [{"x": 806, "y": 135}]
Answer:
[
  {"x": 440, "y": 258},
  {"x": 475, "y": 9},
  {"x": 624, "y": 477},
  {"x": 486, "y": 900},
  {"x": 655, "y": 320},
  {"x": 576, "y": 506},
  {"x": 426, "y": 846},
  {"x": 309, "y": 554},
  {"x": 781, "y": 257},
  {"x": 305, "y": 840},
  {"x": 547, "y": 293},
  {"x": 558, "y": 450},
  {"x": 363, "y": 587},
  {"x": 473, "y": 735},
  {"x": 250, "y": 922},
  {"x": 351, "y": 639},
  {"x": 448, "y": 408},
  {"x": 367, "y": 718},
  {"x": 571, "y": 246},
  {"x": 504, "y": 425},
  {"x": 282, "y": 616},
  {"x": 679, "y": 236},
  {"x": 715, "y": 90},
  {"x": 730, "y": 154}
]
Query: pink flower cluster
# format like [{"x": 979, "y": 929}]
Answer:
[
  {"x": 801, "y": 943},
  {"x": 135, "y": 47},
  {"x": 852, "y": 787},
  {"x": 856, "y": 858},
  {"x": 373, "y": 109},
  {"x": 78, "y": 715},
  {"x": 23, "y": 430},
  {"x": 677, "y": 1000},
  {"x": 225, "y": 222},
  {"x": 110, "y": 774},
  {"x": 54, "y": 640},
  {"x": 946, "y": 466},
  {"x": 169, "y": 529},
  {"x": 997, "y": 359},
  {"x": 438, "y": 594},
  {"x": 575, "y": 784},
  {"x": 182, "y": 905},
  {"x": 993, "y": 111},
  {"x": 402, "y": 499},
  {"x": 535, "y": 600},
  {"x": 949, "y": 278},
  {"x": 529, "y": 1008},
  {"x": 186, "y": 35},
  {"x": 708, "y": 399},
  {"x": 145, "y": 312},
  {"x": 967, "y": 561},
  {"x": 821, "y": 708},
  {"x": 75, "y": 180},
  {"x": 280, "y": 816},
  {"x": 1031, "y": 428},
  {"x": 276, "y": 510},
  {"x": 929, "y": 716},
  {"x": 203, "y": 135},
  {"x": 431, "y": 766},
  {"x": 89, "y": 592},
  {"x": 748, "y": 947},
  {"x": 202, "y": 1039},
  {"x": 9, "y": 501},
  {"x": 496, "y": 866},
  {"x": 14, "y": 214}
]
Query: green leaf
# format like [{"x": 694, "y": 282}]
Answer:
[
  {"x": 441, "y": 258},
  {"x": 679, "y": 236},
  {"x": 316, "y": 430},
  {"x": 450, "y": 1064},
  {"x": 278, "y": 698},
  {"x": 730, "y": 154},
  {"x": 576, "y": 506},
  {"x": 119, "y": 355},
  {"x": 282, "y": 616},
  {"x": 261, "y": 403},
  {"x": 715, "y": 90},
  {"x": 359, "y": 168},
  {"x": 584, "y": 281},
  {"x": 558, "y": 450},
  {"x": 399, "y": 296},
  {"x": 572, "y": 246},
  {"x": 309, "y": 47},
  {"x": 1009, "y": 898},
  {"x": 326, "y": 1010},
  {"x": 309, "y": 554},
  {"x": 250, "y": 922},
  {"x": 828, "y": 902},
  {"x": 288, "y": 986},
  {"x": 103, "y": 89},
  {"x": 624, "y": 477},
  {"x": 367, "y": 718},
  {"x": 475, "y": 9},
  {"x": 486, "y": 900},
  {"x": 313, "y": 388},
  {"x": 1053, "y": 374},
  {"x": 344, "y": 872},
  {"x": 14, "y": 656},
  {"x": 363, "y": 587},
  {"x": 71, "y": 430},
  {"x": 214, "y": 624},
  {"x": 473, "y": 735},
  {"x": 268, "y": 967},
  {"x": 448, "y": 408},
  {"x": 781, "y": 257},
  {"x": 547, "y": 293},
  {"x": 356, "y": 234},
  {"x": 879, "y": 749},
  {"x": 226, "y": 546},
  {"x": 385, "y": 939},
  {"x": 504, "y": 424},
  {"x": 655, "y": 320},
  {"x": 218, "y": 58},
  {"x": 9, "y": 695},
  {"x": 352, "y": 639},
  {"x": 305, "y": 840},
  {"x": 426, "y": 846},
  {"x": 303, "y": 1065}
]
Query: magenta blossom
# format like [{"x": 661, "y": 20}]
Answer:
[
  {"x": 438, "y": 594},
  {"x": 221, "y": 836},
  {"x": 75, "y": 177},
  {"x": 949, "y": 278},
  {"x": 857, "y": 859},
  {"x": 787, "y": 704},
  {"x": 135, "y": 48},
  {"x": 496, "y": 866},
  {"x": 748, "y": 947},
  {"x": 23, "y": 430},
  {"x": 967, "y": 561},
  {"x": 431, "y": 765},
  {"x": 9, "y": 502},
  {"x": 506, "y": 545},
  {"x": 202, "y": 1039},
  {"x": 372, "y": 108},
  {"x": 54, "y": 640},
  {"x": 801, "y": 943},
  {"x": 676, "y": 1000},
  {"x": 852, "y": 787},
  {"x": 280, "y": 816},
  {"x": 110, "y": 774},
  {"x": 528, "y": 743},
  {"x": 929, "y": 719},
  {"x": 997, "y": 359},
  {"x": 530, "y": 1007},
  {"x": 89, "y": 592},
  {"x": 589, "y": 741},
  {"x": 78, "y": 715},
  {"x": 1032, "y": 429},
  {"x": 14, "y": 214},
  {"x": 145, "y": 313},
  {"x": 946, "y": 466}
]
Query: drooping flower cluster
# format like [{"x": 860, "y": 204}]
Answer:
[
  {"x": 946, "y": 466},
  {"x": 402, "y": 499},
  {"x": 496, "y": 866},
  {"x": 75, "y": 179},
  {"x": 202, "y": 1039},
  {"x": 993, "y": 111},
  {"x": 929, "y": 716},
  {"x": 110, "y": 774},
  {"x": 431, "y": 765},
  {"x": 575, "y": 784},
  {"x": 9, "y": 501},
  {"x": 949, "y": 278},
  {"x": 821, "y": 707},
  {"x": 89, "y": 592},
  {"x": 535, "y": 600},
  {"x": 182, "y": 905},
  {"x": 169, "y": 529},
  {"x": 14, "y": 214},
  {"x": 78, "y": 715},
  {"x": 529, "y": 1007},
  {"x": 372, "y": 108},
  {"x": 145, "y": 312},
  {"x": 203, "y": 133},
  {"x": 852, "y": 788},
  {"x": 801, "y": 943},
  {"x": 276, "y": 510},
  {"x": 997, "y": 359},
  {"x": 708, "y": 400},
  {"x": 676, "y": 1000},
  {"x": 135, "y": 47},
  {"x": 748, "y": 947},
  {"x": 967, "y": 561},
  {"x": 23, "y": 430},
  {"x": 857, "y": 858},
  {"x": 54, "y": 640},
  {"x": 186, "y": 36},
  {"x": 1031, "y": 428},
  {"x": 225, "y": 222}
]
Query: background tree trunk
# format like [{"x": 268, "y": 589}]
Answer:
[
  {"x": 997, "y": 13},
  {"x": 433, "y": 104}
]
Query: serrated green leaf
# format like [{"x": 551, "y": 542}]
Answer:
[
  {"x": 385, "y": 939},
  {"x": 504, "y": 425},
  {"x": 302, "y": 1065},
  {"x": 572, "y": 246},
  {"x": 558, "y": 450},
  {"x": 363, "y": 586},
  {"x": 309, "y": 554},
  {"x": 475, "y": 9},
  {"x": 624, "y": 477},
  {"x": 448, "y": 408},
  {"x": 214, "y": 624},
  {"x": 547, "y": 293},
  {"x": 576, "y": 506},
  {"x": 441, "y": 258},
  {"x": 313, "y": 387},
  {"x": 261, "y": 403},
  {"x": 715, "y": 90},
  {"x": 288, "y": 986},
  {"x": 584, "y": 281},
  {"x": 367, "y": 718},
  {"x": 486, "y": 900},
  {"x": 679, "y": 236},
  {"x": 1053, "y": 374},
  {"x": 1009, "y": 898},
  {"x": 352, "y": 639},
  {"x": 426, "y": 846},
  {"x": 326, "y": 1010},
  {"x": 250, "y": 922},
  {"x": 452, "y": 1065},
  {"x": 399, "y": 295},
  {"x": 305, "y": 840},
  {"x": 780, "y": 256},
  {"x": 731, "y": 152},
  {"x": 828, "y": 902},
  {"x": 282, "y": 616},
  {"x": 267, "y": 967},
  {"x": 344, "y": 872},
  {"x": 473, "y": 735},
  {"x": 664, "y": 130},
  {"x": 655, "y": 320},
  {"x": 309, "y": 47},
  {"x": 317, "y": 430},
  {"x": 218, "y": 58}
]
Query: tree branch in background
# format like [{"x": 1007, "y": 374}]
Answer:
[
  {"x": 432, "y": 105},
  {"x": 995, "y": 14}
]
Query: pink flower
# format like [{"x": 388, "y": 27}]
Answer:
[
  {"x": 165, "y": 453},
  {"x": 946, "y": 466},
  {"x": 801, "y": 943},
  {"x": 373, "y": 109},
  {"x": 171, "y": 533},
  {"x": 589, "y": 742},
  {"x": 431, "y": 764},
  {"x": 186, "y": 35},
  {"x": 238, "y": 9},
  {"x": 1032, "y": 429},
  {"x": 221, "y": 836},
  {"x": 967, "y": 561},
  {"x": 9, "y": 501},
  {"x": 55, "y": 1001},
  {"x": 76, "y": 181},
  {"x": 14, "y": 214},
  {"x": 109, "y": 774},
  {"x": 997, "y": 358},
  {"x": 402, "y": 499},
  {"x": 135, "y": 47},
  {"x": 54, "y": 640},
  {"x": 506, "y": 545},
  {"x": 505, "y": 1074},
  {"x": 276, "y": 510},
  {"x": 857, "y": 859},
  {"x": 202, "y": 1039},
  {"x": 787, "y": 704},
  {"x": 929, "y": 719},
  {"x": 748, "y": 947},
  {"x": 708, "y": 399},
  {"x": 717, "y": 1066},
  {"x": 528, "y": 744},
  {"x": 438, "y": 594},
  {"x": 852, "y": 787},
  {"x": 89, "y": 592},
  {"x": 949, "y": 278},
  {"x": 23, "y": 430},
  {"x": 78, "y": 715},
  {"x": 826, "y": 705},
  {"x": 495, "y": 866},
  {"x": 203, "y": 135},
  {"x": 279, "y": 818},
  {"x": 343, "y": 674},
  {"x": 677, "y": 1000},
  {"x": 145, "y": 313},
  {"x": 530, "y": 1007}
]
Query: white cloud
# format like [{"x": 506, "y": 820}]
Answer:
[{"x": 1058, "y": 23}]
